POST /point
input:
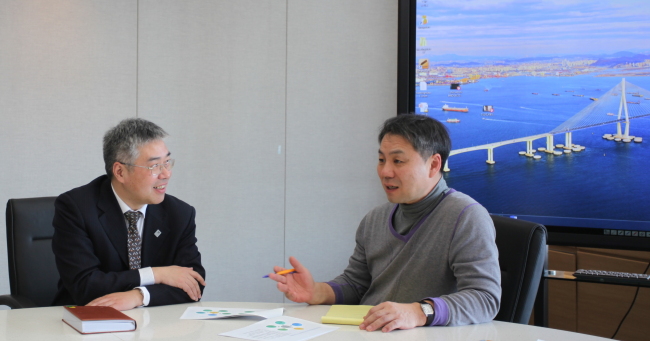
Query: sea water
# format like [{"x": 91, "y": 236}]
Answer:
[{"x": 608, "y": 180}]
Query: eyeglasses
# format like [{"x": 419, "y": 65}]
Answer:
[{"x": 157, "y": 168}]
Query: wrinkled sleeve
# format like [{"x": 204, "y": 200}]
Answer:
[
  {"x": 352, "y": 284},
  {"x": 186, "y": 255},
  {"x": 78, "y": 265},
  {"x": 474, "y": 260}
]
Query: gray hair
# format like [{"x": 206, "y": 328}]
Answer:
[
  {"x": 122, "y": 142},
  {"x": 427, "y": 135}
]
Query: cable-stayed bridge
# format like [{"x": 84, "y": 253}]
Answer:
[{"x": 619, "y": 105}]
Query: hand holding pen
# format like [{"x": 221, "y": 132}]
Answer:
[{"x": 297, "y": 284}]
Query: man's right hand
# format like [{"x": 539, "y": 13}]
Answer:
[
  {"x": 119, "y": 300},
  {"x": 180, "y": 277},
  {"x": 300, "y": 287}
]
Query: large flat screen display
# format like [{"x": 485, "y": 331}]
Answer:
[{"x": 548, "y": 107}]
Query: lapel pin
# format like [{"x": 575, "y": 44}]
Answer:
[{"x": 157, "y": 233}]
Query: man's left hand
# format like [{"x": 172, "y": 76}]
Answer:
[
  {"x": 389, "y": 316},
  {"x": 120, "y": 300}
]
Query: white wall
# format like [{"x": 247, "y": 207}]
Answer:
[
  {"x": 273, "y": 108},
  {"x": 214, "y": 72},
  {"x": 341, "y": 85},
  {"x": 68, "y": 72}
]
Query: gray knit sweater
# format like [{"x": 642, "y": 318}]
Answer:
[{"x": 449, "y": 254}]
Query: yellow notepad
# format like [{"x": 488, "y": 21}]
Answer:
[{"x": 346, "y": 314}]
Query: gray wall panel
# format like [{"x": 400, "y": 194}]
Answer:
[
  {"x": 231, "y": 81},
  {"x": 214, "y": 74},
  {"x": 341, "y": 78},
  {"x": 67, "y": 73}
]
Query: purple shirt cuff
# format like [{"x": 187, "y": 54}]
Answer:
[
  {"x": 338, "y": 292},
  {"x": 442, "y": 312}
]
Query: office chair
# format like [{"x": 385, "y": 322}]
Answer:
[
  {"x": 522, "y": 257},
  {"x": 33, "y": 275}
]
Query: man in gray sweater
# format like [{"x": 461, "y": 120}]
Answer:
[{"x": 426, "y": 258}]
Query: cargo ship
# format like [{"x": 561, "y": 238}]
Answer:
[{"x": 448, "y": 108}]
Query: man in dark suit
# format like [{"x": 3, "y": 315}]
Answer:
[{"x": 120, "y": 241}]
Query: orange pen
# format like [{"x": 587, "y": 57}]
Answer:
[{"x": 283, "y": 272}]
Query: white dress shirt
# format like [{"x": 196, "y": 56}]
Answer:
[{"x": 146, "y": 274}]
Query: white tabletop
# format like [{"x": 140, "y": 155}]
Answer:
[{"x": 158, "y": 323}]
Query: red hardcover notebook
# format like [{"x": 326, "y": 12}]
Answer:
[{"x": 90, "y": 320}]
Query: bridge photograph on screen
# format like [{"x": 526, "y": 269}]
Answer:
[{"x": 547, "y": 104}]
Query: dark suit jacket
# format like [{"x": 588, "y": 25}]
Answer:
[{"x": 90, "y": 245}]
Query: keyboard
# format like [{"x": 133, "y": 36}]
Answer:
[{"x": 613, "y": 277}]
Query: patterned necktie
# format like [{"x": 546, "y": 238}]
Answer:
[{"x": 134, "y": 239}]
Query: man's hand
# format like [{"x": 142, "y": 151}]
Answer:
[
  {"x": 120, "y": 300},
  {"x": 390, "y": 316},
  {"x": 180, "y": 277},
  {"x": 300, "y": 286}
]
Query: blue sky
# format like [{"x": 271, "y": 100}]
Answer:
[{"x": 528, "y": 28}]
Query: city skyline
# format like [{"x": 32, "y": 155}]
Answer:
[{"x": 521, "y": 29}]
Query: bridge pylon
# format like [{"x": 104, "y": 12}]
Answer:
[
  {"x": 568, "y": 142},
  {"x": 549, "y": 144},
  {"x": 490, "y": 160},
  {"x": 620, "y": 136},
  {"x": 530, "y": 151}
]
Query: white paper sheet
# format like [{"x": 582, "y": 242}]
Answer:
[
  {"x": 283, "y": 328},
  {"x": 209, "y": 313}
]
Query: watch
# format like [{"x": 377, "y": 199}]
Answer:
[
  {"x": 141, "y": 293},
  {"x": 428, "y": 311}
]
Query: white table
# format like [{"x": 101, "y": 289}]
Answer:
[{"x": 164, "y": 323}]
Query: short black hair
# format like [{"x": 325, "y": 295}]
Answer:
[{"x": 428, "y": 136}]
